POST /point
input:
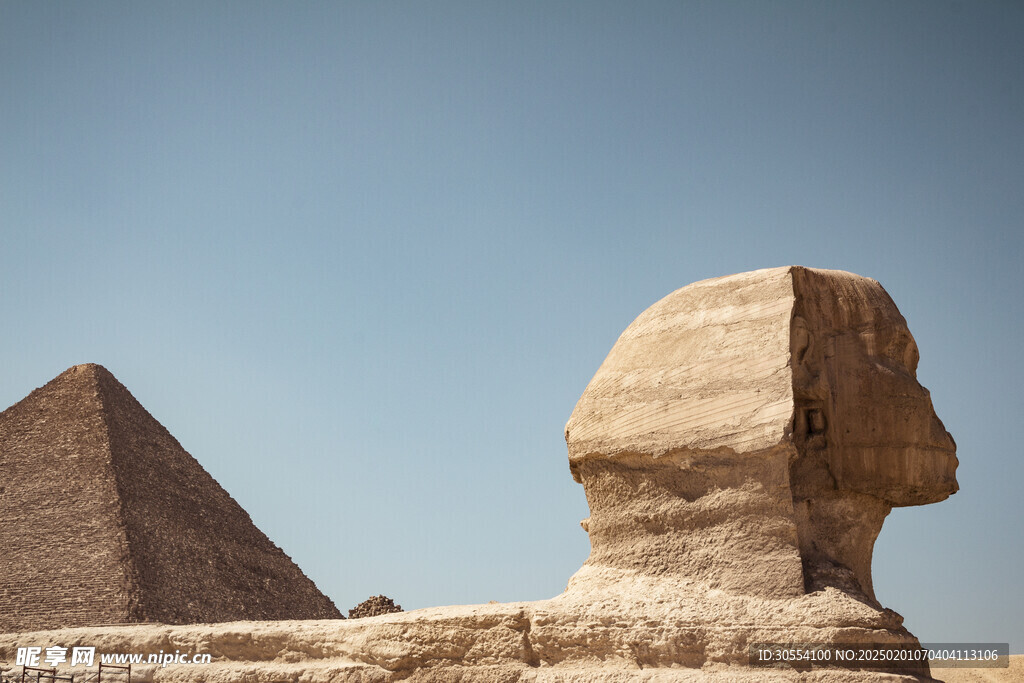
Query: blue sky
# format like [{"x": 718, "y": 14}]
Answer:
[{"x": 361, "y": 259}]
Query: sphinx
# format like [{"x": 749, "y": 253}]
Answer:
[{"x": 750, "y": 433}]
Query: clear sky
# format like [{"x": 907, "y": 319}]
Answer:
[{"x": 362, "y": 258}]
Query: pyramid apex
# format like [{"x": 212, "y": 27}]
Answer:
[
  {"x": 84, "y": 372},
  {"x": 85, "y": 368}
]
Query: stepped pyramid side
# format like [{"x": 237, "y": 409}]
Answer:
[
  {"x": 197, "y": 554},
  {"x": 63, "y": 550},
  {"x": 183, "y": 551}
]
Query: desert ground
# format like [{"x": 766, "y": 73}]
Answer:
[{"x": 1014, "y": 673}]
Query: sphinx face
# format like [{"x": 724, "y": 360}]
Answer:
[
  {"x": 875, "y": 421},
  {"x": 889, "y": 441}
]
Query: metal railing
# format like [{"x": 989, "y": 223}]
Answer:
[
  {"x": 105, "y": 673},
  {"x": 43, "y": 675}
]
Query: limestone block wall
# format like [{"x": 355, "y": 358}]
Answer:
[
  {"x": 197, "y": 554},
  {"x": 62, "y": 548}
]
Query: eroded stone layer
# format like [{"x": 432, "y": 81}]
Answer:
[
  {"x": 704, "y": 368},
  {"x": 664, "y": 638}
]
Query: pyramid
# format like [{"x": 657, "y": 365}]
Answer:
[{"x": 106, "y": 519}]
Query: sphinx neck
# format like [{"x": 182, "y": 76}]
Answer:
[
  {"x": 720, "y": 520},
  {"x": 837, "y": 532}
]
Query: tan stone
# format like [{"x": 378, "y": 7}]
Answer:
[{"x": 750, "y": 433}]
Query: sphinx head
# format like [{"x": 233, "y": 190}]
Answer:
[{"x": 752, "y": 432}]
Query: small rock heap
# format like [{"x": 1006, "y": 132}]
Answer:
[{"x": 374, "y": 606}]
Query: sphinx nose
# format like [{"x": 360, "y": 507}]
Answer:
[
  {"x": 939, "y": 436},
  {"x": 947, "y": 455}
]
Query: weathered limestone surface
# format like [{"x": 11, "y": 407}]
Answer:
[
  {"x": 739, "y": 449},
  {"x": 750, "y": 433},
  {"x": 563, "y": 642},
  {"x": 106, "y": 519}
]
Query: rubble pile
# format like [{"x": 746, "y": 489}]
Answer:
[{"x": 374, "y": 606}]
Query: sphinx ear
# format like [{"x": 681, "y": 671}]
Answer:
[{"x": 800, "y": 343}]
